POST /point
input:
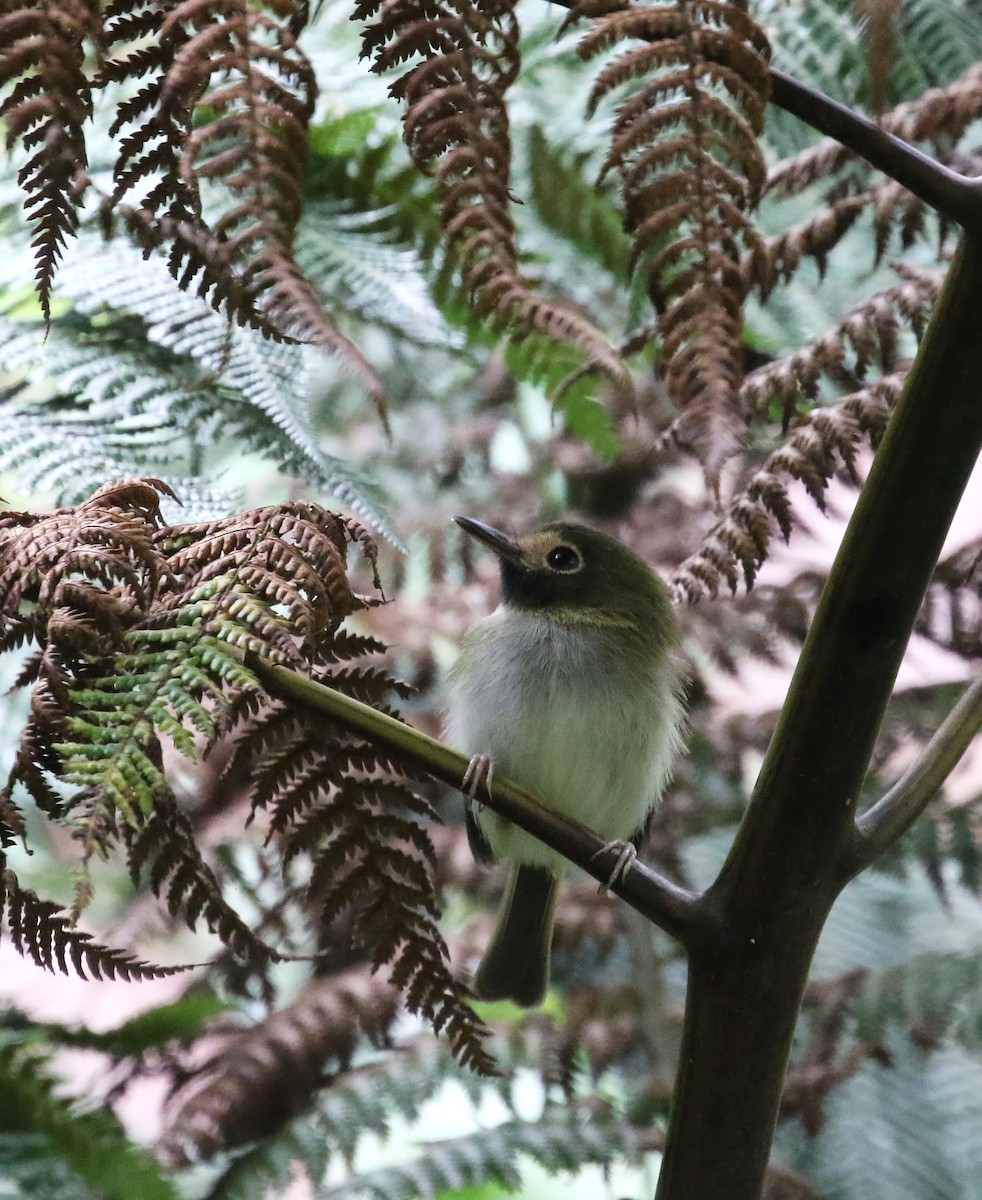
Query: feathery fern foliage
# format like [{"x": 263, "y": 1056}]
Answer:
[
  {"x": 42, "y": 53},
  {"x": 50, "y": 1149},
  {"x": 241, "y": 65},
  {"x": 138, "y": 374},
  {"x": 564, "y": 1138},
  {"x": 362, "y": 1102},
  {"x": 139, "y": 635},
  {"x": 684, "y": 142},
  {"x": 837, "y": 390},
  {"x": 825, "y": 439},
  {"x": 456, "y": 125},
  {"x": 263, "y": 1076},
  {"x": 920, "y": 1114}
]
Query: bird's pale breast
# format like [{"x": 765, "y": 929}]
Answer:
[{"x": 570, "y": 715}]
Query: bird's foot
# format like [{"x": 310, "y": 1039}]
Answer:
[
  {"x": 626, "y": 854},
  {"x": 480, "y": 770}
]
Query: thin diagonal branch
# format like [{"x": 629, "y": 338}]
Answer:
[
  {"x": 894, "y": 813},
  {"x": 955, "y": 196},
  {"x": 672, "y": 908}
]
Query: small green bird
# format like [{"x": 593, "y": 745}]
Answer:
[{"x": 572, "y": 689}]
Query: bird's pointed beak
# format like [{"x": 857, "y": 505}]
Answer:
[{"x": 494, "y": 539}]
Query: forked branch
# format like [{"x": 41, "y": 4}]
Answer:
[
  {"x": 880, "y": 826},
  {"x": 784, "y": 870}
]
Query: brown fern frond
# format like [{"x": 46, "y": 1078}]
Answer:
[
  {"x": 290, "y": 555},
  {"x": 242, "y": 65},
  {"x": 821, "y": 444},
  {"x": 685, "y": 145},
  {"x": 39, "y": 930},
  {"x": 866, "y": 337},
  {"x": 199, "y": 262},
  {"x": 144, "y": 633},
  {"x": 262, "y": 1077},
  {"x": 346, "y": 805},
  {"x": 782, "y": 255},
  {"x": 72, "y": 582},
  {"x": 12, "y": 826},
  {"x": 106, "y": 540},
  {"x": 164, "y": 852},
  {"x": 456, "y": 127},
  {"x": 891, "y": 207},
  {"x": 330, "y": 795},
  {"x": 42, "y": 60},
  {"x": 939, "y": 117},
  {"x": 951, "y": 615}
]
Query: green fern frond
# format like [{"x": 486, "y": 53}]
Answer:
[
  {"x": 54, "y": 1142},
  {"x": 821, "y": 43},
  {"x": 359, "y": 270},
  {"x": 947, "y": 839},
  {"x": 935, "y": 42},
  {"x": 905, "y": 1126},
  {"x": 139, "y": 375},
  {"x": 932, "y": 996},
  {"x": 564, "y": 1138},
  {"x": 31, "y": 1168},
  {"x": 576, "y": 210},
  {"x": 361, "y": 1103}
]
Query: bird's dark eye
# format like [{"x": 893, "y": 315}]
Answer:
[{"x": 563, "y": 558}]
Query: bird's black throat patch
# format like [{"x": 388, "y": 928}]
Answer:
[{"x": 525, "y": 587}]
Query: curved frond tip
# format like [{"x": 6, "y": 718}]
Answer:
[
  {"x": 457, "y": 128},
  {"x": 684, "y": 142}
]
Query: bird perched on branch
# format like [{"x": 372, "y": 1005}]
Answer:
[{"x": 571, "y": 689}]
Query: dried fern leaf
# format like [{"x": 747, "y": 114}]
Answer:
[
  {"x": 939, "y": 117},
  {"x": 825, "y": 439},
  {"x": 684, "y": 142},
  {"x": 456, "y": 127},
  {"x": 242, "y": 67},
  {"x": 951, "y": 615},
  {"x": 822, "y": 443},
  {"x": 41, "y": 931},
  {"x": 261, "y": 1077},
  {"x": 866, "y": 337},
  {"x": 42, "y": 58},
  {"x": 893, "y": 210},
  {"x": 345, "y": 806},
  {"x": 142, "y": 633}
]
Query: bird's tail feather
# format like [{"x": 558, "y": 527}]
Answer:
[{"x": 516, "y": 963}]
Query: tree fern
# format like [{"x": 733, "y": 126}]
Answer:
[
  {"x": 350, "y": 256},
  {"x": 564, "y": 1138},
  {"x": 146, "y": 374},
  {"x": 142, "y": 632},
  {"x": 355, "y": 1101}
]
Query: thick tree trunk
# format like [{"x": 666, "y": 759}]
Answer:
[{"x": 792, "y": 854}]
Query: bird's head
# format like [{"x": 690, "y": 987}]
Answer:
[{"x": 577, "y": 576}]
